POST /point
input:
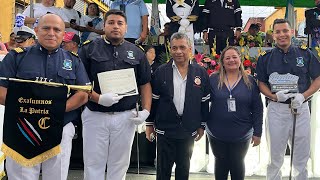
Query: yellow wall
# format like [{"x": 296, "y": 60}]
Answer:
[
  {"x": 6, "y": 18},
  {"x": 280, "y": 13}
]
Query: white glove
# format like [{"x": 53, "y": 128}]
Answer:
[
  {"x": 142, "y": 116},
  {"x": 297, "y": 101},
  {"x": 283, "y": 95},
  {"x": 109, "y": 99},
  {"x": 184, "y": 23}
]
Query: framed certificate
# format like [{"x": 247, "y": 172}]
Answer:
[{"x": 121, "y": 82}]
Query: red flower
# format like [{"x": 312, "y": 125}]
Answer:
[
  {"x": 217, "y": 56},
  {"x": 217, "y": 67},
  {"x": 254, "y": 65},
  {"x": 210, "y": 71},
  {"x": 199, "y": 57},
  {"x": 247, "y": 63}
]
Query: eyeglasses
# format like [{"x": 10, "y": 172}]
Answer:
[{"x": 21, "y": 39}]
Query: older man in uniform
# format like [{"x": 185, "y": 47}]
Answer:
[
  {"x": 299, "y": 61},
  {"x": 180, "y": 93},
  {"x": 108, "y": 120},
  {"x": 47, "y": 60}
]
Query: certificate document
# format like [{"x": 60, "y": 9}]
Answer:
[{"x": 121, "y": 82}]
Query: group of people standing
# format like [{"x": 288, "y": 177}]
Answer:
[{"x": 174, "y": 98}]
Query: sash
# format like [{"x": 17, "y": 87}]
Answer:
[
  {"x": 33, "y": 122},
  {"x": 85, "y": 34}
]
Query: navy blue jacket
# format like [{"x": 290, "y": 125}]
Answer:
[
  {"x": 297, "y": 61},
  {"x": 236, "y": 126},
  {"x": 35, "y": 63},
  {"x": 101, "y": 56},
  {"x": 164, "y": 115}
]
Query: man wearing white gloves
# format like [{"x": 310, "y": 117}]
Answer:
[
  {"x": 109, "y": 119},
  {"x": 299, "y": 61}
]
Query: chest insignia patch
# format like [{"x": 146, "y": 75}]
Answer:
[
  {"x": 300, "y": 62},
  {"x": 197, "y": 80},
  {"x": 130, "y": 55},
  {"x": 67, "y": 64}
]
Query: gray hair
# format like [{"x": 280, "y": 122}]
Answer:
[{"x": 180, "y": 35}]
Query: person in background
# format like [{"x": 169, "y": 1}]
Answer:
[
  {"x": 151, "y": 56},
  {"x": 252, "y": 38},
  {"x": 235, "y": 118},
  {"x": 221, "y": 17},
  {"x": 137, "y": 14},
  {"x": 91, "y": 25},
  {"x": 40, "y": 9},
  {"x": 288, "y": 59},
  {"x": 71, "y": 42},
  {"x": 73, "y": 16},
  {"x": 180, "y": 93},
  {"x": 25, "y": 36},
  {"x": 11, "y": 44},
  {"x": 109, "y": 120},
  {"x": 313, "y": 24},
  {"x": 237, "y": 36}
]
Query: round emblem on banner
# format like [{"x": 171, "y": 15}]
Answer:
[{"x": 197, "y": 80}]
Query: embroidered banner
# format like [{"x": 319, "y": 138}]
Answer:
[{"x": 33, "y": 122}]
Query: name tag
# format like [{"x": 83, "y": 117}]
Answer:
[{"x": 231, "y": 105}]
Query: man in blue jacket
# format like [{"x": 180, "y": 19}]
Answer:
[{"x": 180, "y": 94}]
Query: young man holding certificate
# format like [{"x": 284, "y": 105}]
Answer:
[{"x": 117, "y": 68}]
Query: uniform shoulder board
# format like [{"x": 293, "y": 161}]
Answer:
[
  {"x": 304, "y": 47},
  {"x": 265, "y": 52},
  {"x": 86, "y": 42},
  {"x": 18, "y": 50},
  {"x": 140, "y": 47},
  {"x": 73, "y": 53}
]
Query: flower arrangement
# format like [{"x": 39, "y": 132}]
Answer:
[
  {"x": 209, "y": 62},
  {"x": 250, "y": 40},
  {"x": 249, "y": 62}
]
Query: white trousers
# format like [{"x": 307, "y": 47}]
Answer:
[
  {"x": 279, "y": 126},
  {"x": 55, "y": 168},
  {"x": 107, "y": 139}
]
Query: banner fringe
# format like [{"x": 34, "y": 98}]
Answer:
[{"x": 30, "y": 162}]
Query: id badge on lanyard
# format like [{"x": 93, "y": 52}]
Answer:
[{"x": 231, "y": 104}]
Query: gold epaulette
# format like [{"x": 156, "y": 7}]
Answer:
[
  {"x": 73, "y": 53},
  {"x": 192, "y": 18},
  {"x": 140, "y": 47},
  {"x": 86, "y": 42},
  {"x": 263, "y": 53},
  {"x": 304, "y": 47},
  {"x": 18, "y": 50}
]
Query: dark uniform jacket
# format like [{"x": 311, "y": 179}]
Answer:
[
  {"x": 164, "y": 115},
  {"x": 101, "y": 56},
  {"x": 34, "y": 63},
  {"x": 192, "y": 17},
  {"x": 313, "y": 25},
  {"x": 222, "y": 17},
  {"x": 298, "y": 61}
]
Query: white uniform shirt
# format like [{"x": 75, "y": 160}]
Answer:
[
  {"x": 40, "y": 10},
  {"x": 179, "y": 87},
  {"x": 84, "y": 22},
  {"x": 71, "y": 14}
]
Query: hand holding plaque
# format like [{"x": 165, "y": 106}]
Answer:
[{"x": 281, "y": 82}]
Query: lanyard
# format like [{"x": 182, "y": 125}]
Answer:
[{"x": 231, "y": 88}]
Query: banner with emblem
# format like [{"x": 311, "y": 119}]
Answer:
[{"x": 33, "y": 122}]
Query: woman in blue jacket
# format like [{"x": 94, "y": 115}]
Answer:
[{"x": 235, "y": 118}]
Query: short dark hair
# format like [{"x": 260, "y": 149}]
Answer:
[
  {"x": 98, "y": 10},
  {"x": 115, "y": 12},
  {"x": 281, "y": 21},
  {"x": 147, "y": 48}
]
